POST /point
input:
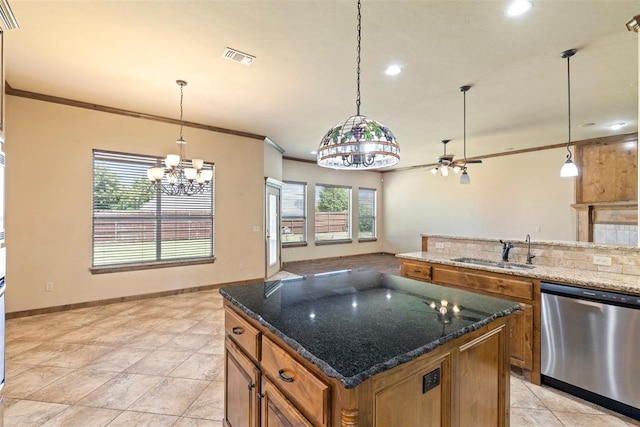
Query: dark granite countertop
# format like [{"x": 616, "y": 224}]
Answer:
[{"x": 355, "y": 324}]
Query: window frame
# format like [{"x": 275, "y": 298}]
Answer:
[
  {"x": 374, "y": 215},
  {"x": 304, "y": 217},
  {"x": 348, "y": 222},
  {"x": 155, "y": 216}
]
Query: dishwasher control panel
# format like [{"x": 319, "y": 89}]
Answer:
[{"x": 615, "y": 298}]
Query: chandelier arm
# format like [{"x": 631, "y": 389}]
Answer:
[{"x": 358, "y": 60}]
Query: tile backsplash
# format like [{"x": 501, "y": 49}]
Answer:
[
  {"x": 615, "y": 234},
  {"x": 577, "y": 255}
]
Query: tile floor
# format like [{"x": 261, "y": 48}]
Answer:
[{"x": 159, "y": 362}]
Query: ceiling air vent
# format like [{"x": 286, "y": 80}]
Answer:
[{"x": 237, "y": 56}]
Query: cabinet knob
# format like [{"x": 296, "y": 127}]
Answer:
[
  {"x": 237, "y": 330},
  {"x": 283, "y": 377},
  {"x": 260, "y": 395},
  {"x": 250, "y": 386}
]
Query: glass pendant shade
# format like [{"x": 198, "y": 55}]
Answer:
[
  {"x": 358, "y": 143},
  {"x": 569, "y": 169},
  {"x": 464, "y": 178}
]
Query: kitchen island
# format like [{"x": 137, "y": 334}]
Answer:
[{"x": 360, "y": 348}]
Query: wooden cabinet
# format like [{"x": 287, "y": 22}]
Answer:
[
  {"x": 525, "y": 342},
  {"x": 242, "y": 388},
  {"x": 277, "y": 410},
  {"x": 309, "y": 392},
  {"x": 460, "y": 383},
  {"x": 251, "y": 398}
]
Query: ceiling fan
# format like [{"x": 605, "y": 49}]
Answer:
[{"x": 446, "y": 161}]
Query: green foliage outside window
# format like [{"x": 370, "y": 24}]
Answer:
[
  {"x": 333, "y": 199},
  {"x": 110, "y": 194}
]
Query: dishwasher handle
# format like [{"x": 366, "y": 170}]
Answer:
[{"x": 596, "y": 295}]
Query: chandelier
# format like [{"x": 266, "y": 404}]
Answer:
[
  {"x": 176, "y": 179},
  {"x": 359, "y": 142}
]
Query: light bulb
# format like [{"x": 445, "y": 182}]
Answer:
[
  {"x": 434, "y": 171},
  {"x": 445, "y": 171},
  {"x": 569, "y": 169},
  {"x": 464, "y": 178},
  {"x": 197, "y": 163},
  {"x": 172, "y": 160}
]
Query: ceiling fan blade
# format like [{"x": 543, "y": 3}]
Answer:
[
  {"x": 460, "y": 162},
  {"x": 469, "y": 161}
]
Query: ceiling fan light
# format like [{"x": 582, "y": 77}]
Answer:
[
  {"x": 445, "y": 171},
  {"x": 464, "y": 178},
  {"x": 434, "y": 171},
  {"x": 569, "y": 169},
  {"x": 456, "y": 169}
]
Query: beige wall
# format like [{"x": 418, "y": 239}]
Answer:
[
  {"x": 48, "y": 217},
  {"x": 312, "y": 175},
  {"x": 508, "y": 197},
  {"x": 272, "y": 162}
]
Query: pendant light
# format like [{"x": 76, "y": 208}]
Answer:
[
  {"x": 359, "y": 142},
  {"x": 464, "y": 178},
  {"x": 569, "y": 169},
  {"x": 177, "y": 179}
]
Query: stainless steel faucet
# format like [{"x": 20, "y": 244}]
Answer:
[
  {"x": 505, "y": 250},
  {"x": 529, "y": 256}
]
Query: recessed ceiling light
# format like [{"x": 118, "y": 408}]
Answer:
[
  {"x": 393, "y": 70},
  {"x": 519, "y": 7},
  {"x": 617, "y": 126},
  {"x": 314, "y": 152}
]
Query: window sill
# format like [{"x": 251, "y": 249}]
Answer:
[
  {"x": 149, "y": 265},
  {"x": 332, "y": 242},
  {"x": 293, "y": 245},
  {"x": 369, "y": 239}
]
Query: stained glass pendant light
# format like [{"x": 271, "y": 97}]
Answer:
[
  {"x": 359, "y": 142},
  {"x": 569, "y": 169}
]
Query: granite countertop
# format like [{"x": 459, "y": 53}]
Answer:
[
  {"x": 591, "y": 279},
  {"x": 354, "y": 324}
]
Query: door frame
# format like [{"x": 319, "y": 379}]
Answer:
[{"x": 272, "y": 184}]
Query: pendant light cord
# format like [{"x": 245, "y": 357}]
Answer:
[
  {"x": 181, "y": 110},
  {"x": 464, "y": 125},
  {"x": 358, "y": 62},
  {"x": 569, "y": 103}
]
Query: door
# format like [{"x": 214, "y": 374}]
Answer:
[{"x": 272, "y": 228}]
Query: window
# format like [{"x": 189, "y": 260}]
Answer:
[
  {"x": 333, "y": 213},
  {"x": 133, "y": 224},
  {"x": 366, "y": 213},
  {"x": 294, "y": 212}
]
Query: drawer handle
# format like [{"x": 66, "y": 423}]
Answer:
[
  {"x": 251, "y": 386},
  {"x": 283, "y": 377},
  {"x": 417, "y": 271},
  {"x": 237, "y": 330}
]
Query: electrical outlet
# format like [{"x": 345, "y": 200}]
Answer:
[
  {"x": 431, "y": 380},
  {"x": 256, "y": 228},
  {"x": 538, "y": 229},
  {"x": 439, "y": 245},
  {"x": 602, "y": 260},
  {"x": 48, "y": 286}
]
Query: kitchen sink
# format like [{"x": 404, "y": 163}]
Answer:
[{"x": 496, "y": 264}]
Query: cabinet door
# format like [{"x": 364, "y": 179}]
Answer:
[
  {"x": 241, "y": 388},
  {"x": 522, "y": 337},
  {"x": 277, "y": 410}
]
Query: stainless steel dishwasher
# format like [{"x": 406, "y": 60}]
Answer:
[{"x": 591, "y": 345}]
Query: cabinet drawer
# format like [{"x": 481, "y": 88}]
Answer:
[
  {"x": 416, "y": 271},
  {"x": 247, "y": 337},
  {"x": 497, "y": 284},
  {"x": 307, "y": 391}
]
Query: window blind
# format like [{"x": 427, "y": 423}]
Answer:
[{"x": 133, "y": 223}]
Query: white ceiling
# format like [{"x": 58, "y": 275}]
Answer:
[{"x": 128, "y": 54}]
